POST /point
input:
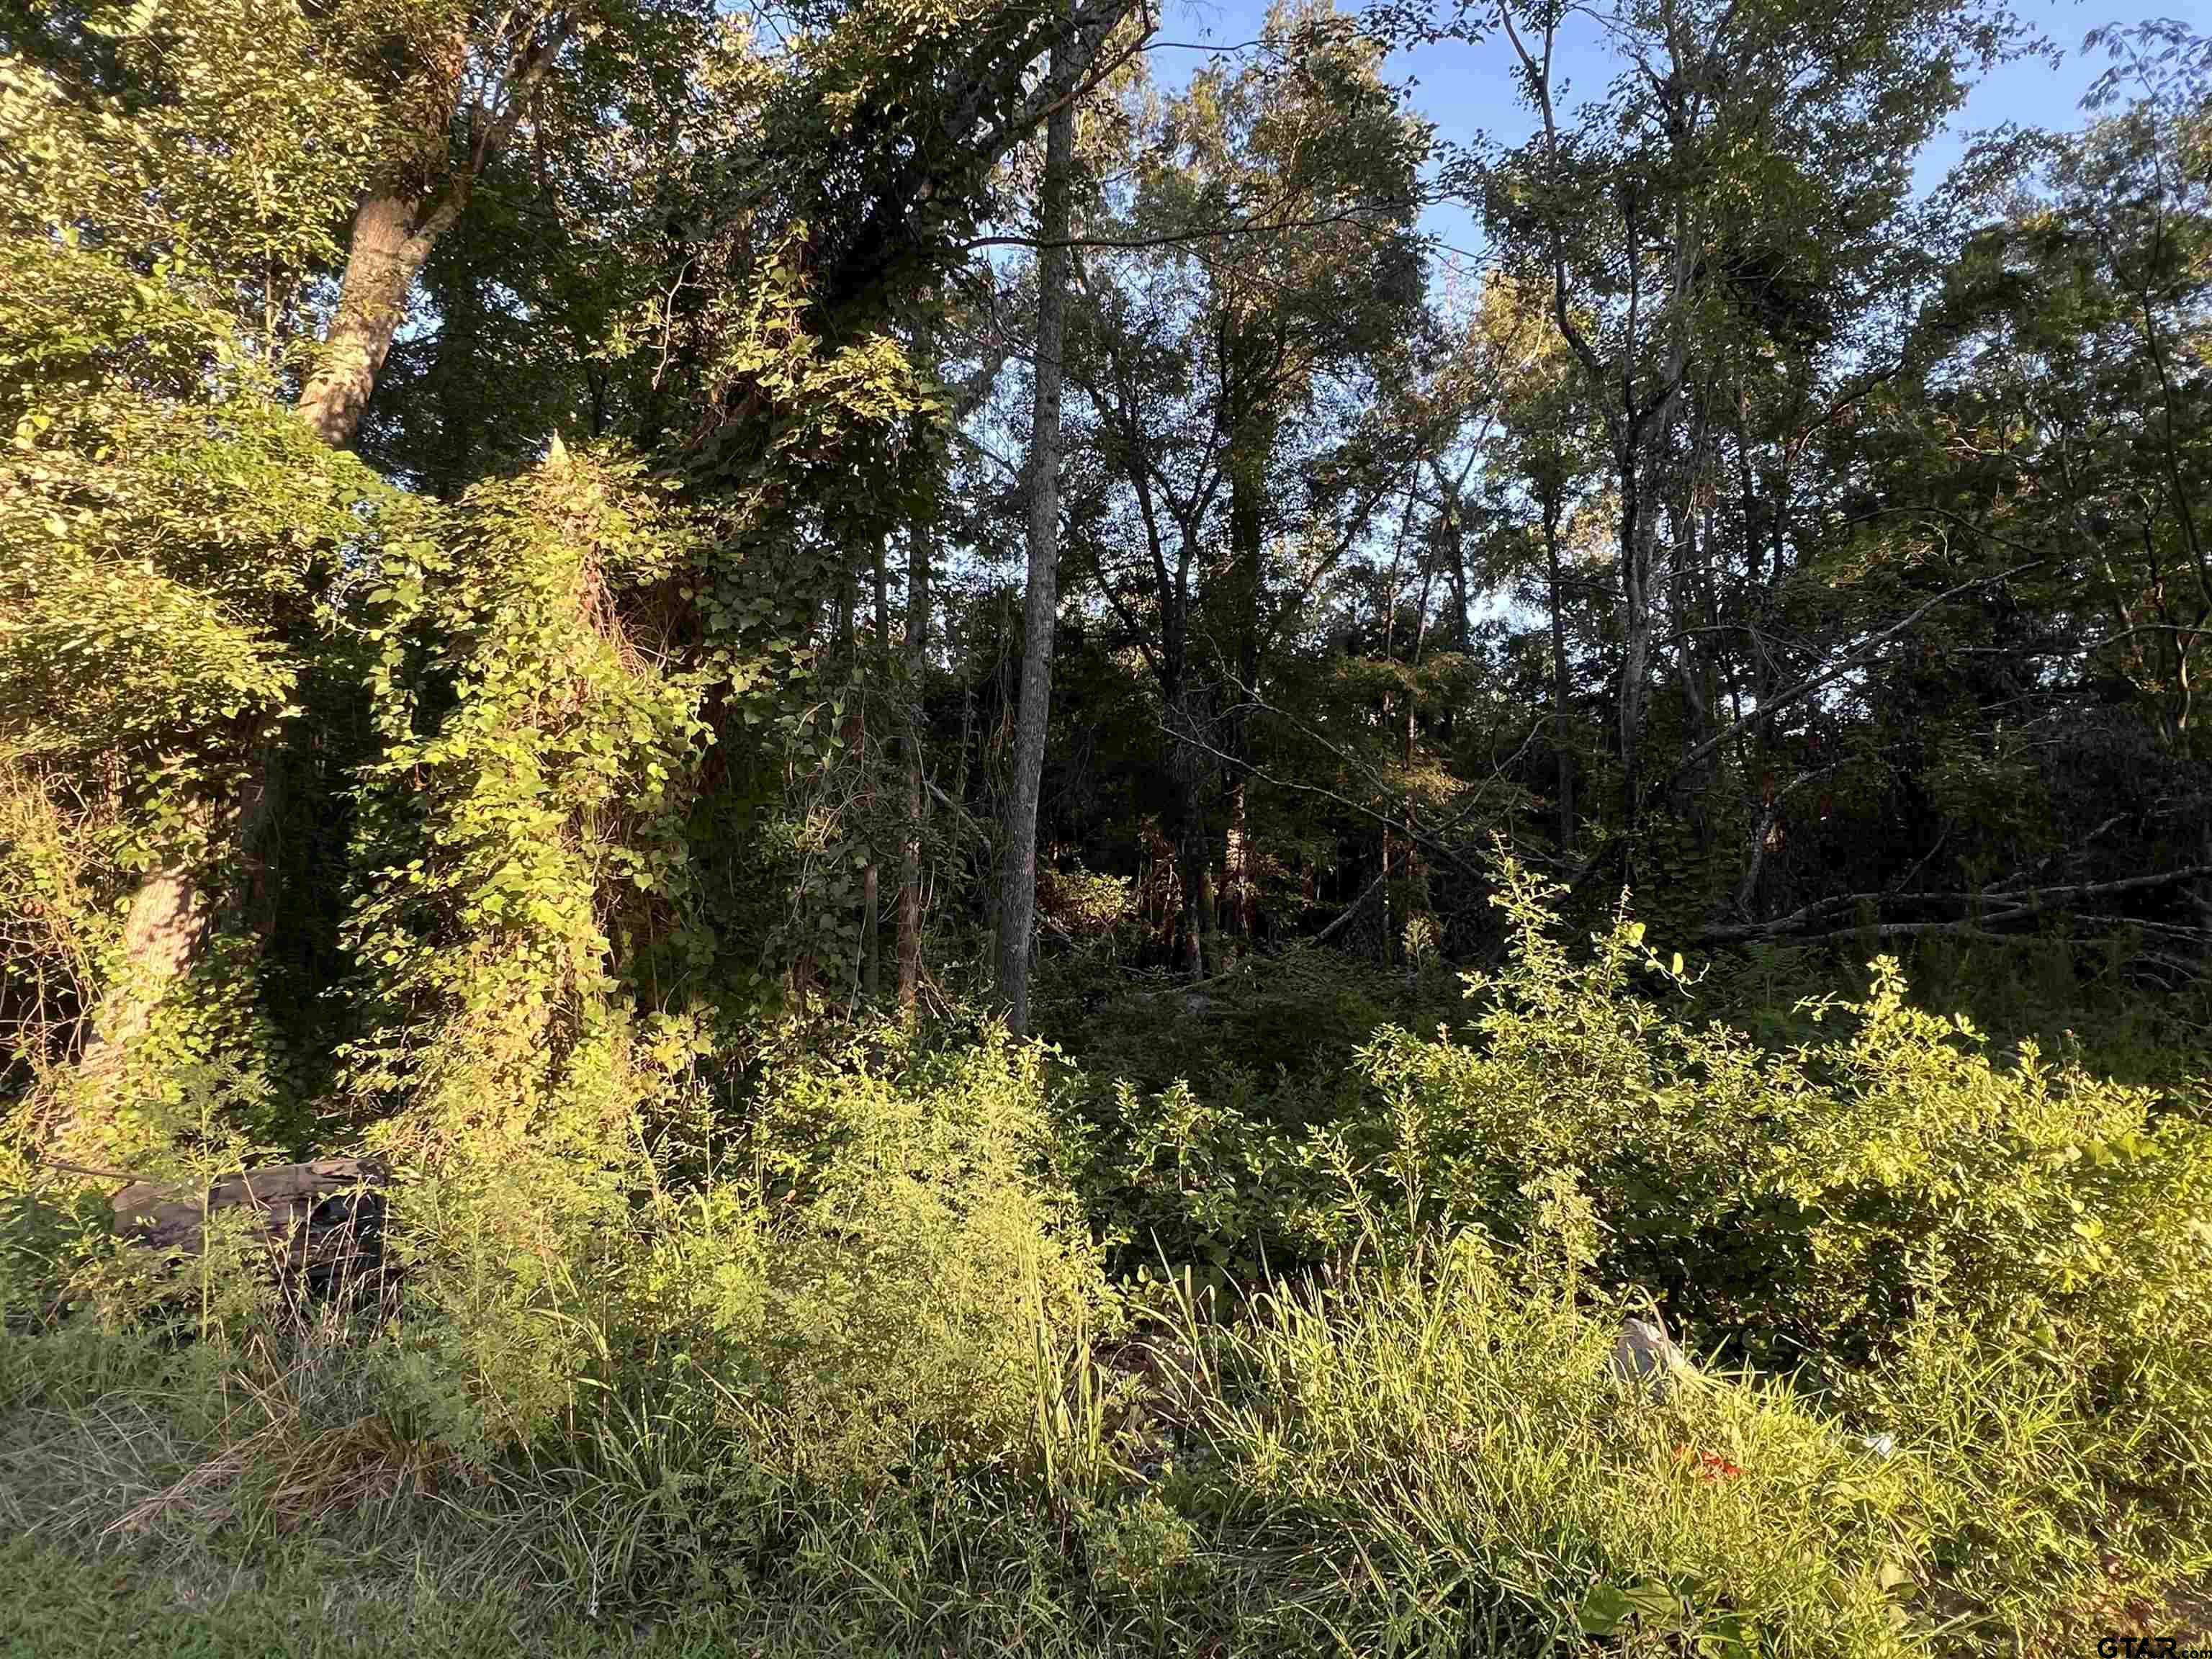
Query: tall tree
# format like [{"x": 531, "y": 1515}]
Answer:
[
  {"x": 1744, "y": 148},
  {"x": 1040, "y": 609},
  {"x": 1261, "y": 263},
  {"x": 463, "y": 84}
]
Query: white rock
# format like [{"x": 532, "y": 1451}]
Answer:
[{"x": 1645, "y": 1356}]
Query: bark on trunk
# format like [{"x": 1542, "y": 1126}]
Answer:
[
  {"x": 1250, "y": 449},
  {"x": 168, "y": 917},
  {"x": 1236, "y": 865},
  {"x": 917, "y": 635},
  {"x": 1412, "y": 865},
  {"x": 872, "y": 955},
  {"x": 171, "y": 914},
  {"x": 1639, "y": 526},
  {"x": 1018, "y": 898},
  {"x": 1560, "y": 684},
  {"x": 389, "y": 249},
  {"x": 1643, "y": 439},
  {"x": 871, "y": 928},
  {"x": 1456, "y": 532},
  {"x": 1192, "y": 881}
]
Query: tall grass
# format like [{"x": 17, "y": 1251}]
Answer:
[{"x": 864, "y": 1385}]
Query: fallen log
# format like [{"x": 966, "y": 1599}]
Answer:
[{"x": 322, "y": 1220}]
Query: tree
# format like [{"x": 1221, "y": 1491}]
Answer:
[
  {"x": 456, "y": 85},
  {"x": 1549, "y": 461},
  {"x": 1240, "y": 293},
  {"x": 1745, "y": 151},
  {"x": 1041, "y": 612}
]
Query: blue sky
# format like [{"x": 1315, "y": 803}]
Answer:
[{"x": 1466, "y": 90}]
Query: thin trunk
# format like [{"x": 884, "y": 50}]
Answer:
[
  {"x": 1251, "y": 447},
  {"x": 1559, "y": 685},
  {"x": 1643, "y": 441},
  {"x": 1237, "y": 864},
  {"x": 1209, "y": 914},
  {"x": 1412, "y": 852},
  {"x": 1193, "y": 880},
  {"x": 882, "y": 596},
  {"x": 1389, "y": 910},
  {"x": 1190, "y": 783},
  {"x": 854, "y": 731},
  {"x": 1455, "y": 531},
  {"x": 1018, "y": 902},
  {"x": 1411, "y": 724},
  {"x": 1639, "y": 526},
  {"x": 872, "y": 930},
  {"x": 917, "y": 635},
  {"x": 871, "y": 954},
  {"x": 1690, "y": 520}
]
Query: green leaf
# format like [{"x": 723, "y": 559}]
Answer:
[
  {"x": 1653, "y": 1601},
  {"x": 1728, "y": 1635},
  {"x": 1604, "y": 1609}
]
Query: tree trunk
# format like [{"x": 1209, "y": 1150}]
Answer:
[
  {"x": 1193, "y": 881},
  {"x": 917, "y": 635},
  {"x": 1236, "y": 865},
  {"x": 1642, "y": 442},
  {"x": 854, "y": 731},
  {"x": 1639, "y": 530},
  {"x": 1390, "y": 911},
  {"x": 1559, "y": 685},
  {"x": 388, "y": 252},
  {"x": 171, "y": 912},
  {"x": 1017, "y": 902},
  {"x": 872, "y": 928},
  {"x": 1412, "y": 865},
  {"x": 1416, "y": 901},
  {"x": 1251, "y": 447},
  {"x": 162, "y": 934}
]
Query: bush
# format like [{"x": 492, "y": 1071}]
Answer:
[
  {"x": 853, "y": 1347},
  {"x": 1215, "y": 1115},
  {"x": 1892, "y": 1212},
  {"x": 1431, "y": 1453},
  {"x": 863, "y": 1288},
  {"x": 921, "y": 1239}
]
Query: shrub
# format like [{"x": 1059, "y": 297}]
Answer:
[
  {"x": 854, "y": 1346},
  {"x": 1431, "y": 1453},
  {"x": 1905, "y": 1219},
  {"x": 1082, "y": 904},
  {"x": 921, "y": 1231},
  {"x": 862, "y": 1289}
]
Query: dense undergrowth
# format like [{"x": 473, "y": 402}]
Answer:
[
  {"x": 508, "y": 670},
  {"x": 953, "y": 1344}
]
